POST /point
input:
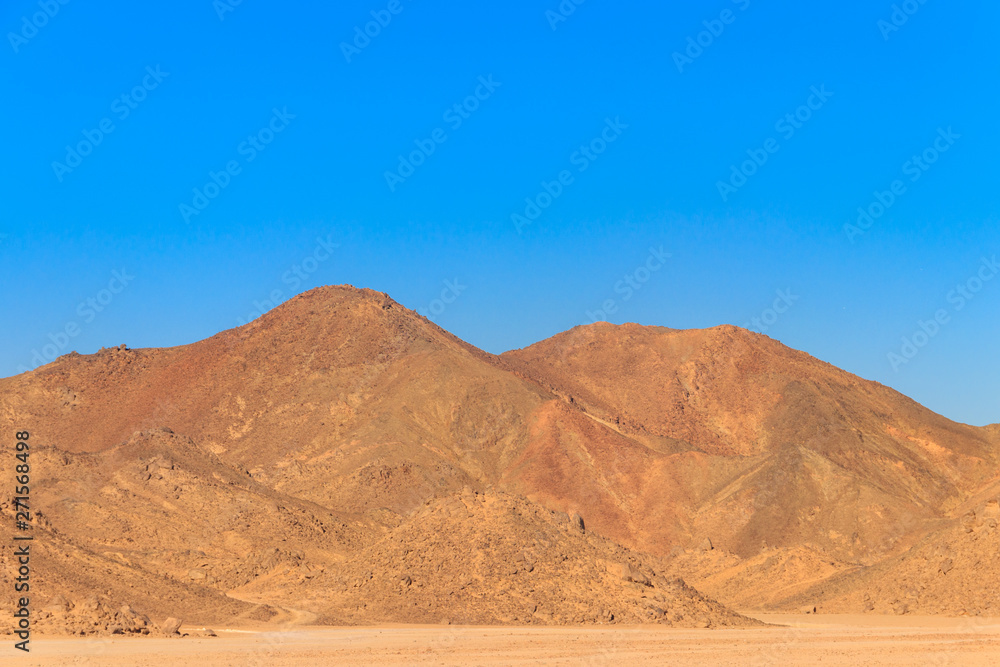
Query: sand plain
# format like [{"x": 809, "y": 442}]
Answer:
[{"x": 798, "y": 640}]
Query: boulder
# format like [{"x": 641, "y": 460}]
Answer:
[
  {"x": 90, "y": 605},
  {"x": 629, "y": 573},
  {"x": 171, "y": 626},
  {"x": 57, "y": 605}
]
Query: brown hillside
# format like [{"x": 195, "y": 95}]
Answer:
[
  {"x": 339, "y": 396},
  {"x": 951, "y": 572},
  {"x": 797, "y": 452},
  {"x": 160, "y": 503},
  {"x": 268, "y": 456},
  {"x": 729, "y": 391},
  {"x": 60, "y": 568},
  {"x": 488, "y": 558}
]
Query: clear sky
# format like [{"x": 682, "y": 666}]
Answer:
[{"x": 511, "y": 169}]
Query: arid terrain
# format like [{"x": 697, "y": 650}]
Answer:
[
  {"x": 342, "y": 461},
  {"x": 836, "y": 641}
]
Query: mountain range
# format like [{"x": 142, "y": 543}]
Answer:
[{"x": 342, "y": 459}]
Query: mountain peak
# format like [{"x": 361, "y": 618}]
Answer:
[
  {"x": 342, "y": 403},
  {"x": 328, "y": 297},
  {"x": 331, "y": 312}
]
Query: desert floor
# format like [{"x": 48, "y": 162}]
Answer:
[{"x": 805, "y": 640}]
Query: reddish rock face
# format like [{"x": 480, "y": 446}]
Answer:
[{"x": 266, "y": 458}]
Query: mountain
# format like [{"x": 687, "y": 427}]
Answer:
[
  {"x": 340, "y": 396},
  {"x": 495, "y": 558},
  {"x": 760, "y": 445},
  {"x": 340, "y": 428}
]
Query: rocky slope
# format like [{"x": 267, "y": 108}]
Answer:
[
  {"x": 267, "y": 458},
  {"x": 495, "y": 558},
  {"x": 767, "y": 446}
]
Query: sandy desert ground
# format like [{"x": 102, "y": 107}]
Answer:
[{"x": 800, "y": 640}]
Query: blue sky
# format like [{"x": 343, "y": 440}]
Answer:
[{"x": 739, "y": 138}]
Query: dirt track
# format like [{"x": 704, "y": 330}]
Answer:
[{"x": 832, "y": 640}]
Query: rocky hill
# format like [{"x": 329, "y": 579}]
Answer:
[{"x": 341, "y": 434}]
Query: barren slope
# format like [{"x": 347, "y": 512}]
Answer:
[
  {"x": 265, "y": 458},
  {"x": 340, "y": 396},
  {"x": 62, "y": 568},
  {"x": 952, "y": 572},
  {"x": 486, "y": 558},
  {"x": 796, "y": 452},
  {"x": 160, "y": 503}
]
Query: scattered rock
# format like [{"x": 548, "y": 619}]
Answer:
[
  {"x": 90, "y": 605},
  {"x": 57, "y": 605},
  {"x": 629, "y": 573},
  {"x": 655, "y": 611},
  {"x": 577, "y": 521},
  {"x": 706, "y": 545},
  {"x": 171, "y": 626},
  {"x": 90, "y": 617}
]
